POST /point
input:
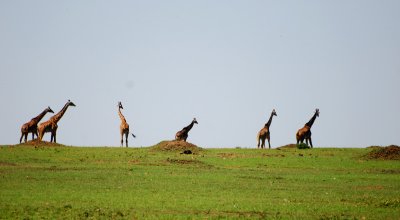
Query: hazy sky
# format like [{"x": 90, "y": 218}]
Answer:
[{"x": 227, "y": 63}]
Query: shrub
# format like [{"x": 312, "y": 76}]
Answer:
[{"x": 302, "y": 146}]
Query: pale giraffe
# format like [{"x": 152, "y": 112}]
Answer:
[
  {"x": 264, "y": 133},
  {"x": 183, "y": 134},
  {"x": 124, "y": 127},
  {"x": 32, "y": 125},
  {"x": 51, "y": 124},
  {"x": 305, "y": 132}
]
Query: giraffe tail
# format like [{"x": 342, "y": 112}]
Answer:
[{"x": 133, "y": 135}]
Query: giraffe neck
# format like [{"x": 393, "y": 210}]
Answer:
[
  {"x": 269, "y": 121},
  {"x": 311, "y": 122},
  {"x": 39, "y": 117},
  {"x": 60, "y": 114},
  {"x": 187, "y": 128},
  {"x": 121, "y": 116}
]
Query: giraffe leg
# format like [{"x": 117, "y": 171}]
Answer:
[
  {"x": 262, "y": 143},
  {"x": 311, "y": 142},
  {"x": 51, "y": 137},
  {"x": 40, "y": 137},
  {"x": 20, "y": 139},
  {"x": 258, "y": 143},
  {"x": 269, "y": 144},
  {"x": 122, "y": 139},
  {"x": 126, "y": 139},
  {"x": 54, "y": 131},
  {"x": 26, "y": 137}
]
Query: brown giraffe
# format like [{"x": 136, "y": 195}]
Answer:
[
  {"x": 124, "y": 127},
  {"x": 305, "y": 132},
  {"x": 183, "y": 134},
  {"x": 32, "y": 125},
  {"x": 264, "y": 132},
  {"x": 51, "y": 124}
]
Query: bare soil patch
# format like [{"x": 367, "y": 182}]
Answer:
[
  {"x": 227, "y": 155},
  {"x": 176, "y": 146},
  {"x": 38, "y": 143},
  {"x": 184, "y": 161},
  {"x": 8, "y": 164},
  {"x": 391, "y": 152},
  {"x": 273, "y": 155},
  {"x": 189, "y": 162}
]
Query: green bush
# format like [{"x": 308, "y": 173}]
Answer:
[{"x": 302, "y": 146}]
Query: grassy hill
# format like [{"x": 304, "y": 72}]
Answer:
[{"x": 147, "y": 183}]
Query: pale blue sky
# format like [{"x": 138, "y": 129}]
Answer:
[{"x": 227, "y": 63}]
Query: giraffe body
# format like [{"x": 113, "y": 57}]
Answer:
[
  {"x": 51, "y": 124},
  {"x": 32, "y": 125},
  {"x": 183, "y": 134},
  {"x": 304, "y": 133},
  {"x": 264, "y": 133},
  {"x": 48, "y": 127}
]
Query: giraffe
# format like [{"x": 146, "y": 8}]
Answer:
[
  {"x": 124, "y": 127},
  {"x": 51, "y": 124},
  {"x": 32, "y": 125},
  {"x": 305, "y": 132},
  {"x": 183, "y": 134},
  {"x": 264, "y": 132}
]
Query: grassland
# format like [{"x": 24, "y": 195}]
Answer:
[{"x": 143, "y": 183}]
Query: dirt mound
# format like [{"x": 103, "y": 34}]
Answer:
[
  {"x": 37, "y": 143},
  {"x": 176, "y": 146},
  {"x": 391, "y": 152},
  {"x": 288, "y": 146}
]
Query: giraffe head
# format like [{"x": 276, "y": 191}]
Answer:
[
  {"x": 194, "y": 121},
  {"x": 120, "y": 105},
  {"x": 274, "y": 112},
  {"x": 317, "y": 112},
  {"x": 48, "y": 109},
  {"x": 71, "y": 103}
]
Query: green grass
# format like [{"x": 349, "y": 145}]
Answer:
[{"x": 140, "y": 183}]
